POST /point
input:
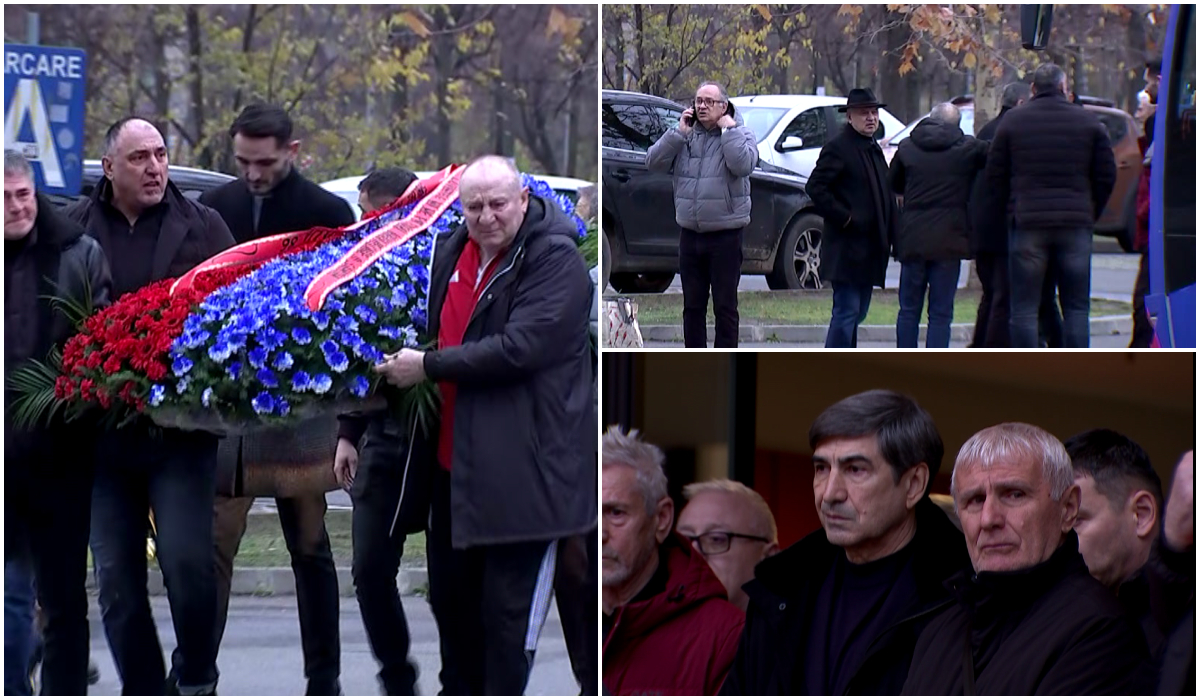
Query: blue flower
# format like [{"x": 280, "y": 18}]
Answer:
[
  {"x": 346, "y": 323},
  {"x": 322, "y": 383},
  {"x": 320, "y": 320},
  {"x": 263, "y": 403},
  {"x": 270, "y": 338},
  {"x": 283, "y": 407},
  {"x": 301, "y": 381},
  {"x": 359, "y": 386},
  {"x": 220, "y": 351},
  {"x": 419, "y": 318},
  {"x": 258, "y": 358},
  {"x": 234, "y": 369},
  {"x": 181, "y": 366},
  {"x": 366, "y": 314},
  {"x": 389, "y": 332},
  {"x": 329, "y": 347},
  {"x": 182, "y": 386},
  {"x": 283, "y": 361},
  {"x": 337, "y": 361},
  {"x": 157, "y": 393},
  {"x": 267, "y": 378},
  {"x": 301, "y": 336},
  {"x": 206, "y": 397}
]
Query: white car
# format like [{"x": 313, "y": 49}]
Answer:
[
  {"x": 792, "y": 129},
  {"x": 347, "y": 187}
]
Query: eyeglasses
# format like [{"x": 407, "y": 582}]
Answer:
[
  {"x": 708, "y": 102},
  {"x": 719, "y": 542}
]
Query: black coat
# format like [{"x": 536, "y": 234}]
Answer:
[
  {"x": 1055, "y": 159},
  {"x": 296, "y": 204},
  {"x": 1171, "y": 579},
  {"x": 933, "y": 169},
  {"x": 57, "y": 260},
  {"x": 849, "y": 189},
  {"x": 989, "y": 232},
  {"x": 524, "y": 464},
  {"x": 785, "y": 589},
  {"x": 190, "y": 232},
  {"x": 1051, "y": 629}
]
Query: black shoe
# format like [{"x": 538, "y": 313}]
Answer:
[
  {"x": 93, "y": 673},
  {"x": 316, "y": 687}
]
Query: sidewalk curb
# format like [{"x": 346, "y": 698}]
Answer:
[
  {"x": 759, "y": 333},
  {"x": 278, "y": 580}
]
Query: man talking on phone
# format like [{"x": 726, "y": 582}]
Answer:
[{"x": 711, "y": 154}]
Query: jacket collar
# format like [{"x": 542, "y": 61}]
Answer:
[
  {"x": 1014, "y": 590},
  {"x": 174, "y": 227},
  {"x": 864, "y": 142},
  {"x": 51, "y": 228}
]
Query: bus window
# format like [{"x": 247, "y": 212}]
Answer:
[{"x": 1179, "y": 181}]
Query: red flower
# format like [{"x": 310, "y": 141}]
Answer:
[{"x": 63, "y": 388}]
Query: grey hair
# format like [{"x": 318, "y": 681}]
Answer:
[
  {"x": 494, "y": 161},
  {"x": 1013, "y": 94},
  {"x": 1048, "y": 78},
  {"x": 16, "y": 164},
  {"x": 737, "y": 488},
  {"x": 946, "y": 113},
  {"x": 718, "y": 86},
  {"x": 622, "y": 449},
  {"x": 1017, "y": 442}
]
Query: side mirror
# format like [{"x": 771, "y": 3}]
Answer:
[
  {"x": 791, "y": 143},
  {"x": 1035, "y": 26}
]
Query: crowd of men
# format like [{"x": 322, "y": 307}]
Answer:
[
  {"x": 1059, "y": 570},
  {"x": 516, "y": 377},
  {"x": 1021, "y": 199}
]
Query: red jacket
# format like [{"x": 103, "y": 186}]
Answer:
[
  {"x": 680, "y": 642},
  {"x": 1141, "y": 239}
]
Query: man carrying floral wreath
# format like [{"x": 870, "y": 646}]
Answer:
[{"x": 514, "y": 467}]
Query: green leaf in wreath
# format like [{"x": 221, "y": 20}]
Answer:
[{"x": 33, "y": 383}]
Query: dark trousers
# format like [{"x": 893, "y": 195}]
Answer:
[
  {"x": 850, "y": 305},
  {"x": 47, "y": 510},
  {"x": 991, "y": 322},
  {"x": 1065, "y": 254},
  {"x": 19, "y": 637},
  {"x": 1143, "y": 332},
  {"x": 176, "y": 476},
  {"x": 575, "y": 590},
  {"x": 303, "y": 522},
  {"x": 710, "y": 260},
  {"x": 376, "y": 494},
  {"x": 940, "y": 278},
  {"x": 489, "y": 603},
  {"x": 1050, "y": 319}
]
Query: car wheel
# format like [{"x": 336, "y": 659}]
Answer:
[
  {"x": 798, "y": 261},
  {"x": 605, "y": 260},
  {"x": 641, "y": 283}
]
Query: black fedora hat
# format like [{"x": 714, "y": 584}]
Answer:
[{"x": 860, "y": 97}]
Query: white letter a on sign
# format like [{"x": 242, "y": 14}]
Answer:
[{"x": 27, "y": 102}]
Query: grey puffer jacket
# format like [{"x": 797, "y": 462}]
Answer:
[{"x": 711, "y": 174}]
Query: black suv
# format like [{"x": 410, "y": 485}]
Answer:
[
  {"x": 782, "y": 241},
  {"x": 193, "y": 182}
]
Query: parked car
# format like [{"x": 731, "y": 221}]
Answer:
[
  {"x": 193, "y": 182},
  {"x": 1119, "y": 218},
  {"x": 783, "y": 240},
  {"x": 792, "y": 129},
  {"x": 347, "y": 187}
]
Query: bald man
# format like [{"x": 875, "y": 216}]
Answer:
[
  {"x": 150, "y": 231},
  {"x": 514, "y": 463}
]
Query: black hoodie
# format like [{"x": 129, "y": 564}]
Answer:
[{"x": 933, "y": 169}]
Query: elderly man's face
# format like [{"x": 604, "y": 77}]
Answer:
[
  {"x": 710, "y": 106},
  {"x": 495, "y": 204},
  {"x": 858, "y": 500},
  {"x": 719, "y": 512},
  {"x": 137, "y": 166},
  {"x": 630, "y": 534},
  {"x": 20, "y": 206},
  {"x": 1008, "y": 517},
  {"x": 865, "y": 120}
]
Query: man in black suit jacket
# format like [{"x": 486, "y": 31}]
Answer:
[
  {"x": 271, "y": 197},
  {"x": 849, "y": 187}
]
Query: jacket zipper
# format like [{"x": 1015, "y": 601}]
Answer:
[
  {"x": 404, "y": 478},
  {"x": 498, "y": 275}
]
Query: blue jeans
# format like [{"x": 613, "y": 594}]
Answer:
[
  {"x": 1067, "y": 254},
  {"x": 850, "y": 305},
  {"x": 176, "y": 476},
  {"x": 19, "y": 637},
  {"x": 940, "y": 277}
]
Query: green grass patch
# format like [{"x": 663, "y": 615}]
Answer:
[{"x": 813, "y": 308}]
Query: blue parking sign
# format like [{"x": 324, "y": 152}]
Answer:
[{"x": 43, "y": 113}]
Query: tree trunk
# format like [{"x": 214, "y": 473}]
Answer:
[{"x": 204, "y": 155}]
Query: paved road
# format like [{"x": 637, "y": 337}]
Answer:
[{"x": 261, "y": 651}]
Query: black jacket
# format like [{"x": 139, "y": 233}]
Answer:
[
  {"x": 1050, "y": 629},
  {"x": 989, "y": 232},
  {"x": 56, "y": 260},
  {"x": 524, "y": 464},
  {"x": 933, "y": 170},
  {"x": 296, "y": 204},
  {"x": 849, "y": 189},
  {"x": 785, "y": 589},
  {"x": 1055, "y": 159},
  {"x": 1171, "y": 578},
  {"x": 190, "y": 232}
]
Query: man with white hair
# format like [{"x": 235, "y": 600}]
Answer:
[
  {"x": 732, "y": 527},
  {"x": 1029, "y": 619},
  {"x": 668, "y": 628}
]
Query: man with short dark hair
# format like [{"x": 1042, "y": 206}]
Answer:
[
  {"x": 272, "y": 197},
  {"x": 381, "y": 187},
  {"x": 150, "y": 231},
  {"x": 838, "y": 612},
  {"x": 1057, "y": 162}
]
